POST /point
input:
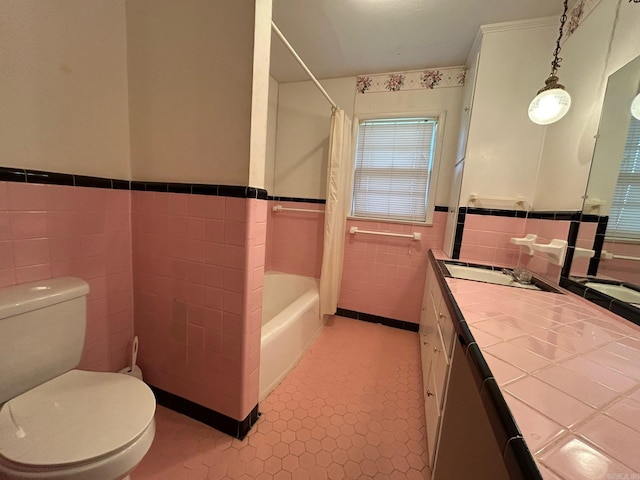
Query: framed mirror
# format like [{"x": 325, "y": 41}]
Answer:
[{"x": 606, "y": 264}]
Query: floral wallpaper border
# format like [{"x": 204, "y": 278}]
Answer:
[
  {"x": 581, "y": 10},
  {"x": 429, "y": 79}
]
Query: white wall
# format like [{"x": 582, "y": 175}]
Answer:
[
  {"x": 190, "y": 83},
  {"x": 304, "y": 117},
  {"x": 272, "y": 127},
  {"x": 260, "y": 93},
  {"x": 63, "y": 101},
  {"x": 503, "y": 148}
]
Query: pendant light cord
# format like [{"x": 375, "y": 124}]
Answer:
[{"x": 555, "y": 64}]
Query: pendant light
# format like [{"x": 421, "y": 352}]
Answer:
[
  {"x": 635, "y": 107},
  {"x": 552, "y": 101}
]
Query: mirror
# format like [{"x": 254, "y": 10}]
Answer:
[{"x": 610, "y": 222}]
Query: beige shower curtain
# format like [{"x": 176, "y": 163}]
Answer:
[{"x": 338, "y": 180}]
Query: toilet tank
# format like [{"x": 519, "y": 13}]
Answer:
[{"x": 42, "y": 326}]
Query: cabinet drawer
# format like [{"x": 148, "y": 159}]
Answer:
[
  {"x": 432, "y": 416},
  {"x": 440, "y": 372},
  {"x": 447, "y": 331}
]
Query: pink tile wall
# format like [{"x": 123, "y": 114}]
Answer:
[
  {"x": 586, "y": 236},
  {"x": 486, "y": 239},
  {"x": 256, "y": 237},
  {"x": 195, "y": 295},
  {"x": 51, "y": 231},
  {"x": 546, "y": 230},
  {"x": 295, "y": 239},
  {"x": 625, "y": 270},
  {"x": 385, "y": 275}
]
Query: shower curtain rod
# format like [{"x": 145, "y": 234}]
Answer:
[{"x": 302, "y": 64}]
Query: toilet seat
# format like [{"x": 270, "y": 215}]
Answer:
[{"x": 75, "y": 420}]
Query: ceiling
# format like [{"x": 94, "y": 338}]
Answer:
[{"x": 338, "y": 38}]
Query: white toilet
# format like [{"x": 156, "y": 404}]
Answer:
[{"x": 55, "y": 422}]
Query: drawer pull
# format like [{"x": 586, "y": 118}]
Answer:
[
  {"x": 436, "y": 349},
  {"x": 444, "y": 347},
  {"x": 429, "y": 394}
]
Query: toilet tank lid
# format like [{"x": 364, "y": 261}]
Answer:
[{"x": 30, "y": 296}]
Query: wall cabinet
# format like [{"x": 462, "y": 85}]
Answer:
[
  {"x": 460, "y": 438},
  {"x": 498, "y": 146}
]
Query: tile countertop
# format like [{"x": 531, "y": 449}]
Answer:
[{"x": 569, "y": 372}]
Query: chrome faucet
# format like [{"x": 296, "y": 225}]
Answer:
[
  {"x": 520, "y": 275},
  {"x": 506, "y": 271}
]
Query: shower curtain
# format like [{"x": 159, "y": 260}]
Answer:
[{"x": 338, "y": 179}]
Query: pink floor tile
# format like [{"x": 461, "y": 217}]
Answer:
[
  {"x": 553, "y": 403},
  {"x": 614, "y": 438},
  {"x": 352, "y": 408},
  {"x": 537, "y": 429},
  {"x": 574, "y": 459}
]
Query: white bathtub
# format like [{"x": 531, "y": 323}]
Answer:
[{"x": 290, "y": 322}]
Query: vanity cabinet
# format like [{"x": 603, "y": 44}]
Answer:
[
  {"x": 436, "y": 350},
  {"x": 460, "y": 437}
]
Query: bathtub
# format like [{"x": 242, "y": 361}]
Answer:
[{"x": 290, "y": 322}]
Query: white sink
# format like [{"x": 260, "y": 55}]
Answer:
[
  {"x": 485, "y": 275},
  {"x": 619, "y": 292}
]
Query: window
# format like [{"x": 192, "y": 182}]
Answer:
[
  {"x": 393, "y": 164},
  {"x": 624, "y": 216}
]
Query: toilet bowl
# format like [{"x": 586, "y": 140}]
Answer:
[{"x": 58, "y": 423}]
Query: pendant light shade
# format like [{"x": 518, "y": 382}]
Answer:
[
  {"x": 635, "y": 107},
  {"x": 551, "y": 104},
  {"x": 552, "y": 101}
]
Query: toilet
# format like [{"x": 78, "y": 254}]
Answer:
[{"x": 56, "y": 422}]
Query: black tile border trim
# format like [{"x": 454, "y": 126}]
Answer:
[
  {"x": 622, "y": 309},
  {"x": 457, "y": 240},
  {"x": 534, "y": 214},
  {"x": 598, "y": 245},
  {"x": 297, "y": 199},
  {"x": 518, "y": 458},
  {"x": 572, "y": 238},
  {"x": 517, "y": 451},
  {"x": 441, "y": 208},
  {"x": 9, "y": 174},
  {"x": 494, "y": 212},
  {"x": 235, "y": 428},
  {"x": 367, "y": 317}
]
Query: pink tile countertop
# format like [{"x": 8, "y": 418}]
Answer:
[{"x": 570, "y": 373}]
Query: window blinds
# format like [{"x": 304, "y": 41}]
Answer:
[
  {"x": 624, "y": 216},
  {"x": 392, "y": 168}
]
